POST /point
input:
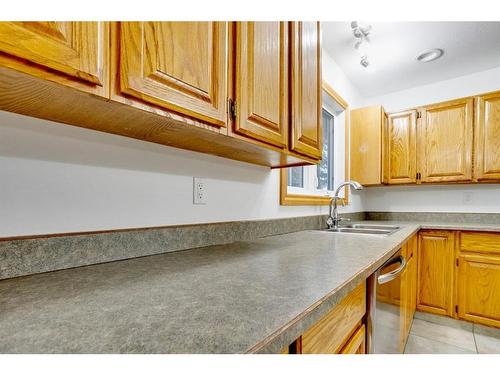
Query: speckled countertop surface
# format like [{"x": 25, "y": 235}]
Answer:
[{"x": 254, "y": 296}]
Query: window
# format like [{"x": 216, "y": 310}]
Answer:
[
  {"x": 313, "y": 185},
  {"x": 316, "y": 179}
]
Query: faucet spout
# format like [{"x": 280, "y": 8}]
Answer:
[{"x": 333, "y": 217}]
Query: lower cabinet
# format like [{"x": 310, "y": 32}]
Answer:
[
  {"x": 341, "y": 330},
  {"x": 435, "y": 277},
  {"x": 408, "y": 290},
  {"x": 478, "y": 278},
  {"x": 357, "y": 342}
]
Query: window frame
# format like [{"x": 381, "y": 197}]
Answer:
[{"x": 291, "y": 199}]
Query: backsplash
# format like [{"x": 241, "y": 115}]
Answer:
[
  {"x": 20, "y": 257},
  {"x": 448, "y": 217}
]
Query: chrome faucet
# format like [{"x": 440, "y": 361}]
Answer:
[{"x": 333, "y": 217}]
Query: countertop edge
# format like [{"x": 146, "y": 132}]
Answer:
[{"x": 284, "y": 336}]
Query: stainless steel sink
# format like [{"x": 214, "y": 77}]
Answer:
[
  {"x": 372, "y": 226},
  {"x": 379, "y": 229}
]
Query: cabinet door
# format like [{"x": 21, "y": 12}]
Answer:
[
  {"x": 72, "y": 48},
  {"x": 366, "y": 145},
  {"x": 408, "y": 298},
  {"x": 445, "y": 142},
  {"x": 330, "y": 333},
  {"x": 401, "y": 148},
  {"x": 180, "y": 66},
  {"x": 306, "y": 131},
  {"x": 487, "y": 133},
  {"x": 435, "y": 272},
  {"x": 479, "y": 288},
  {"x": 357, "y": 342},
  {"x": 261, "y": 81}
]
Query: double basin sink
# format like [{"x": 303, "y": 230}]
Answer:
[{"x": 380, "y": 229}]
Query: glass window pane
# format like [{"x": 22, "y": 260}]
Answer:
[
  {"x": 296, "y": 177},
  {"x": 325, "y": 167}
]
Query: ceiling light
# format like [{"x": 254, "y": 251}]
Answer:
[
  {"x": 364, "y": 62},
  {"x": 430, "y": 55},
  {"x": 362, "y": 44}
]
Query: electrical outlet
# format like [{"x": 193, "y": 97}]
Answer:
[
  {"x": 467, "y": 197},
  {"x": 199, "y": 193}
]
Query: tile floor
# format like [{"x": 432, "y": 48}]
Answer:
[{"x": 432, "y": 334}]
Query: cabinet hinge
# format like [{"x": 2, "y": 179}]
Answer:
[{"x": 231, "y": 109}]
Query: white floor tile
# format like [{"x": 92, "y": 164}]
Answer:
[
  {"x": 422, "y": 345},
  {"x": 457, "y": 337}
]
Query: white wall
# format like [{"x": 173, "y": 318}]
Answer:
[
  {"x": 484, "y": 198},
  {"x": 472, "y": 84},
  {"x": 56, "y": 178}
]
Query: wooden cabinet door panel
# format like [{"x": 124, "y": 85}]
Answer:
[
  {"x": 180, "y": 66},
  {"x": 357, "y": 342},
  {"x": 401, "y": 148},
  {"x": 479, "y": 288},
  {"x": 329, "y": 334},
  {"x": 435, "y": 272},
  {"x": 306, "y": 137},
  {"x": 366, "y": 125},
  {"x": 487, "y": 133},
  {"x": 261, "y": 81},
  {"x": 480, "y": 242},
  {"x": 72, "y": 48},
  {"x": 445, "y": 141}
]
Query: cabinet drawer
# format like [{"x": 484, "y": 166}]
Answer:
[
  {"x": 480, "y": 242},
  {"x": 357, "y": 342},
  {"x": 335, "y": 328}
]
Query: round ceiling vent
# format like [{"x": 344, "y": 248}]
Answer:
[{"x": 430, "y": 55}]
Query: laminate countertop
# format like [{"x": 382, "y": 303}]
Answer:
[{"x": 255, "y": 296}]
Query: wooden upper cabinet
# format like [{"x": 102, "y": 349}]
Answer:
[
  {"x": 400, "y": 164},
  {"x": 435, "y": 272},
  {"x": 487, "y": 135},
  {"x": 306, "y": 130},
  {"x": 445, "y": 141},
  {"x": 75, "y": 49},
  {"x": 179, "y": 66},
  {"x": 261, "y": 81},
  {"x": 366, "y": 126}
]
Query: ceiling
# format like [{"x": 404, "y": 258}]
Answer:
[{"x": 394, "y": 46}]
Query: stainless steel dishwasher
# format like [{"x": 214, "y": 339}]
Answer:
[{"x": 384, "y": 320}]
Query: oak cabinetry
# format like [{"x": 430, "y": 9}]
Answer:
[
  {"x": 408, "y": 290},
  {"x": 305, "y": 90},
  {"x": 366, "y": 130},
  {"x": 261, "y": 81},
  {"x": 487, "y": 136},
  {"x": 338, "y": 327},
  {"x": 445, "y": 141},
  {"x": 435, "y": 276},
  {"x": 478, "y": 278},
  {"x": 357, "y": 342},
  {"x": 71, "y": 53},
  {"x": 400, "y": 160},
  {"x": 167, "y": 83},
  {"x": 180, "y": 66}
]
